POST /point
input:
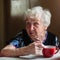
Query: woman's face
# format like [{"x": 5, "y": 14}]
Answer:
[{"x": 35, "y": 28}]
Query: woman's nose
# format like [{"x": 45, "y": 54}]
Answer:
[{"x": 32, "y": 27}]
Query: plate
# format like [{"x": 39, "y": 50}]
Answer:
[{"x": 28, "y": 56}]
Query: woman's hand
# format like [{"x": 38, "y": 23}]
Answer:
[{"x": 35, "y": 48}]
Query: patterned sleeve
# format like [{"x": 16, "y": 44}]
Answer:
[
  {"x": 56, "y": 41},
  {"x": 17, "y": 41}
]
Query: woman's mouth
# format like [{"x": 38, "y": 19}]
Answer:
[{"x": 31, "y": 33}]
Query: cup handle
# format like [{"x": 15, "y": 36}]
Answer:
[{"x": 57, "y": 48}]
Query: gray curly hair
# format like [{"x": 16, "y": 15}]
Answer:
[{"x": 40, "y": 13}]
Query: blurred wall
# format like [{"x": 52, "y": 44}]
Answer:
[{"x": 1, "y": 23}]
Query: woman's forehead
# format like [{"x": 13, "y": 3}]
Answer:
[{"x": 32, "y": 19}]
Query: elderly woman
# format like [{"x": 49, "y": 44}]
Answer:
[{"x": 35, "y": 37}]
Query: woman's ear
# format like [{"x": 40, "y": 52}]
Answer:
[{"x": 45, "y": 27}]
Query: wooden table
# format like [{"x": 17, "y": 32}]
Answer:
[{"x": 32, "y": 57}]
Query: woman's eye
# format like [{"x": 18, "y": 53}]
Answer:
[
  {"x": 36, "y": 24},
  {"x": 28, "y": 24}
]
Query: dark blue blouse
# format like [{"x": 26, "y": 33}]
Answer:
[{"x": 22, "y": 39}]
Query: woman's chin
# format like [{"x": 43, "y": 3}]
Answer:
[{"x": 33, "y": 38}]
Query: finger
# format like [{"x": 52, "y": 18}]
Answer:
[{"x": 38, "y": 44}]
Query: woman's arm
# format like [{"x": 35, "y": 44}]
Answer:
[{"x": 10, "y": 50}]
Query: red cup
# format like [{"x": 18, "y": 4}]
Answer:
[{"x": 49, "y": 51}]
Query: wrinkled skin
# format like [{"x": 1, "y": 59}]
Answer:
[{"x": 37, "y": 31}]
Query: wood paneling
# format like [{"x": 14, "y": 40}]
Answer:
[{"x": 1, "y": 23}]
